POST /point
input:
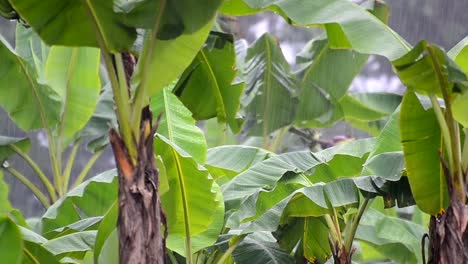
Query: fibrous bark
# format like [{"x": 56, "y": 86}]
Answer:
[
  {"x": 448, "y": 232},
  {"x": 141, "y": 222}
]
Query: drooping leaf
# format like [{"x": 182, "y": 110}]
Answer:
[
  {"x": 211, "y": 76},
  {"x": 74, "y": 245},
  {"x": 232, "y": 160},
  {"x": 325, "y": 75},
  {"x": 11, "y": 243},
  {"x": 358, "y": 29},
  {"x": 270, "y": 98},
  {"x": 184, "y": 16},
  {"x": 420, "y": 136},
  {"x": 36, "y": 253},
  {"x": 75, "y": 23},
  {"x": 74, "y": 74},
  {"x": 260, "y": 252},
  {"x": 190, "y": 204},
  {"x": 178, "y": 125},
  {"x": 35, "y": 105},
  {"x": 171, "y": 58},
  {"x": 93, "y": 197},
  {"x": 5, "y": 146},
  {"x": 266, "y": 174},
  {"x": 315, "y": 241},
  {"x": 395, "y": 238},
  {"x": 422, "y": 69}
]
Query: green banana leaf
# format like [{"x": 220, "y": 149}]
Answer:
[
  {"x": 73, "y": 73},
  {"x": 184, "y": 16},
  {"x": 171, "y": 58},
  {"x": 178, "y": 125},
  {"x": 395, "y": 238},
  {"x": 11, "y": 243},
  {"x": 5, "y": 146},
  {"x": 30, "y": 47},
  {"x": 358, "y": 29},
  {"x": 421, "y": 69},
  {"x": 35, "y": 105},
  {"x": 325, "y": 75},
  {"x": 191, "y": 203},
  {"x": 211, "y": 76},
  {"x": 271, "y": 91},
  {"x": 73, "y": 245},
  {"x": 205, "y": 239},
  {"x": 104, "y": 234},
  {"x": 257, "y": 251},
  {"x": 102, "y": 119},
  {"x": 421, "y": 139},
  {"x": 459, "y": 53},
  {"x": 231, "y": 160},
  {"x": 5, "y": 205},
  {"x": 75, "y": 23},
  {"x": 92, "y": 198}
]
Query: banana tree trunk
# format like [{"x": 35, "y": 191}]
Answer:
[
  {"x": 448, "y": 232},
  {"x": 141, "y": 219},
  {"x": 141, "y": 222}
]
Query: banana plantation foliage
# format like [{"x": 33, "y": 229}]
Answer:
[{"x": 160, "y": 80}]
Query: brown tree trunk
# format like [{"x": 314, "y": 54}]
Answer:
[
  {"x": 340, "y": 254},
  {"x": 448, "y": 232},
  {"x": 141, "y": 223},
  {"x": 449, "y": 236},
  {"x": 141, "y": 220}
]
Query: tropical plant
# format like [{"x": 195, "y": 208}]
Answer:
[{"x": 173, "y": 199}]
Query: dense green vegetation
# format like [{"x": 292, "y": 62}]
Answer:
[{"x": 233, "y": 203}]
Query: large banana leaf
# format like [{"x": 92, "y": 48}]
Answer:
[
  {"x": 257, "y": 251},
  {"x": 171, "y": 58},
  {"x": 73, "y": 245},
  {"x": 231, "y": 160},
  {"x": 29, "y": 103},
  {"x": 179, "y": 16},
  {"x": 421, "y": 69},
  {"x": 178, "y": 125},
  {"x": 395, "y": 238},
  {"x": 325, "y": 75},
  {"x": 270, "y": 98},
  {"x": 210, "y": 77},
  {"x": 358, "y": 29},
  {"x": 75, "y": 23},
  {"x": 266, "y": 174},
  {"x": 92, "y": 198},
  {"x": 74, "y": 74},
  {"x": 11, "y": 243},
  {"x": 190, "y": 204},
  {"x": 420, "y": 136},
  {"x": 205, "y": 239}
]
